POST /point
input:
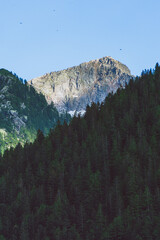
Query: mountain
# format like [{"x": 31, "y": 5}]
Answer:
[
  {"x": 76, "y": 87},
  {"x": 97, "y": 178},
  {"x": 22, "y": 111}
]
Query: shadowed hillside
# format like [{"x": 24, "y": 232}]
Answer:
[
  {"x": 96, "y": 178},
  {"x": 23, "y": 111}
]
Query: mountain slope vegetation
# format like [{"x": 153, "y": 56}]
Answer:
[
  {"x": 22, "y": 111},
  {"x": 96, "y": 178}
]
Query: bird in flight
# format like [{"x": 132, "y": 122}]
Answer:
[
  {"x": 120, "y": 49},
  {"x": 20, "y": 23}
]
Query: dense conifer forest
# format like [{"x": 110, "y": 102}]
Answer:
[{"x": 97, "y": 178}]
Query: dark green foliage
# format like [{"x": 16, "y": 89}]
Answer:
[
  {"x": 18, "y": 100},
  {"x": 97, "y": 178}
]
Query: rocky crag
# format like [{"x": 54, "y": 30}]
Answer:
[{"x": 76, "y": 87}]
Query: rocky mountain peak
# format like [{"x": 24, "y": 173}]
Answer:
[{"x": 76, "y": 87}]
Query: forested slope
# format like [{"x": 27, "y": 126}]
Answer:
[
  {"x": 96, "y": 178},
  {"x": 23, "y": 111}
]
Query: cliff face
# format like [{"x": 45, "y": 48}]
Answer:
[{"x": 72, "y": 89}]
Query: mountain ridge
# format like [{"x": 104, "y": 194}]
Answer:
[
  {"x": 74, "y": 88},
  {"x": 95, "y": 178}
]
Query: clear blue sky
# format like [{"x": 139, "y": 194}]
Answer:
[{"x": 40, "y": 36}]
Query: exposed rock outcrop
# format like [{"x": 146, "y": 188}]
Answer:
[
  {"x": 6, "y": 108},
  {"x": 72, "y": 89}
]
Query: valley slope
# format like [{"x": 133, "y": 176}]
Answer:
[
  {"x": 22, "y": 111},
  {"x": 97, "y": 178}
]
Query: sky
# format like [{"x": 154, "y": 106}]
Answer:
[{"x": 41, "y": 36}]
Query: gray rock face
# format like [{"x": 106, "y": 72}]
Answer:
[
  {"x": 11, "y": 114},
  {"x": 7, "y": 109},
  {"x": 72, "y": 89}
]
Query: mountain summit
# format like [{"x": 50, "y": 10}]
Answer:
[{"x": 76, "y": 87}]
